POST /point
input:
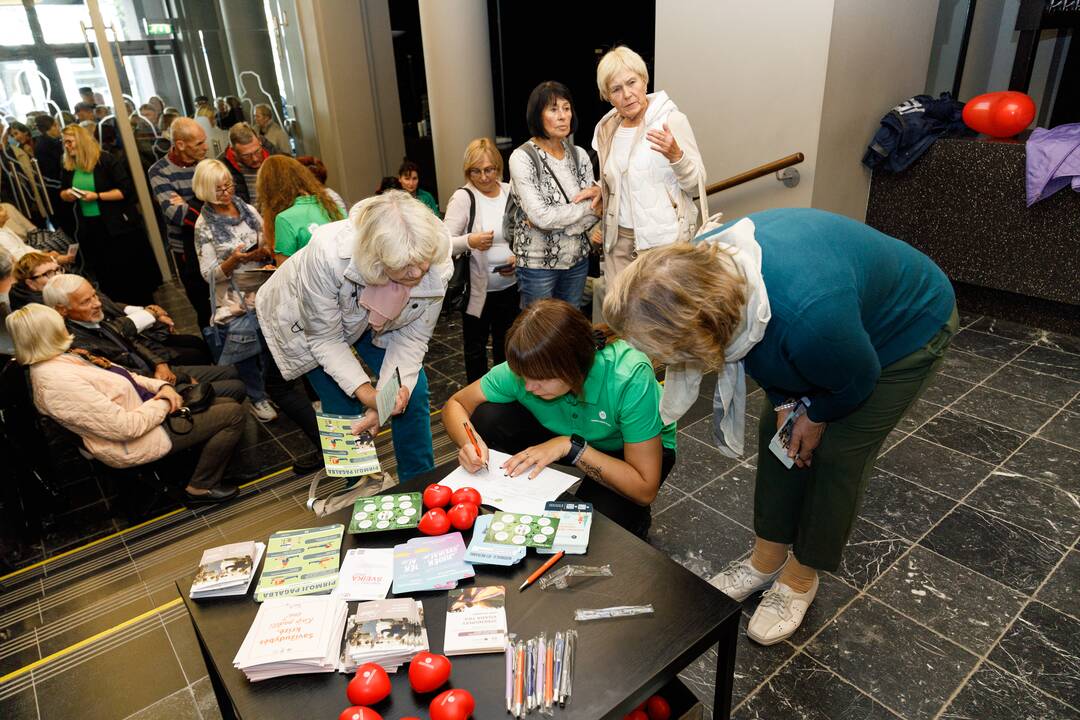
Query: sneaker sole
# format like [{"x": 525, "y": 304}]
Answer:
[{"x": 767, "y": 643}]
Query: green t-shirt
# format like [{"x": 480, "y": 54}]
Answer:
[
  {"x": 85, "y": 181},
  {"x": 292, "y": 227},
  {"x": 425, "y": 197},
  {"x": 620, "y": 403}
]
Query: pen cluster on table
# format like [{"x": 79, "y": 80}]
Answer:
[{"x": 539, "y": 673}]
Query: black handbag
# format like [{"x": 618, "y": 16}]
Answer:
[
  {"x": 457, "y": 290},
  {"x": 197, "y": 397}
]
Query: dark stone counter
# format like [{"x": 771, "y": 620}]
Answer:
[{"x": 963, "y": 204}]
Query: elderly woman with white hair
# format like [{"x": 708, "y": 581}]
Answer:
[
  {"x": 650, "y": 166},
  {"x": 120, "y": 415},
  {"x": 374, "y": 283}
]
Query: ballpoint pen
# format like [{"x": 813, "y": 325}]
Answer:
[
  {"x": 519, "y": 681},
  {"x": 509, "y": 650},
  {"x": 541, "y": 570},
  {"x": 475, "y": 444}
]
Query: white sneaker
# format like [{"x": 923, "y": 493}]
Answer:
[
  {"x": 740, "y": 579},
  {"x": 264, "y": 411},
  {"x": 780, "y": 613}
]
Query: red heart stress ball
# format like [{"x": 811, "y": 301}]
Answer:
[{"x": 427, "y": 672}]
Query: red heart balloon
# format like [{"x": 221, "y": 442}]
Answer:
[
  {"x": 657, "y": 708},
  {"x": 434, "y": 522},
  {"x": 359, "y": 713},
  {"x": 370, "y": 685},
  {"x": 466, "y": 494},
  {"x": 428, "y": 671},
  {"x": 999, "y": 114},
  {"x": 463, "y": 515},
  {"x": 436, "y": 495},
  {"x": 636, "y": 715},
  {"x": 453, "y": 704}
]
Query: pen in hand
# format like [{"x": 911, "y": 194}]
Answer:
[{"x": 476, "y": 445}]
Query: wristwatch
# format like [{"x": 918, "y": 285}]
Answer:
[{"x": 577, "y": 448}]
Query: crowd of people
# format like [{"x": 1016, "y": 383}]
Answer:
[{"x": 840, "y": 325}]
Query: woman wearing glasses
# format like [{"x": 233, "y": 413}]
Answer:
[
  {"x": 228, "y": 237},
  {"x": 474, "y": 218}
]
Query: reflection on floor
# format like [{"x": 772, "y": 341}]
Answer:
[{"x": 955, "y": 598}]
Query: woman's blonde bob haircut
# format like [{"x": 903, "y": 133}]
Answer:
[
  {"x": 615, "y": 61},
  {"x": 479, "y": 150},
  {"x": 679, "y": 303},
  {"x": 209, "y": 173},
  {"x": 395, "y": 230},
  {"x": 87, "y": 150},
  {"x": 38, "y": 332}
]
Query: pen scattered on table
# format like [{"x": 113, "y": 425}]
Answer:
[
  {"x": 541, "y": 570},
  {"x": 539, "y": 673}
]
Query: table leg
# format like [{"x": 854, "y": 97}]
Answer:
[
  {"x": 223, "y": 701},
  {"x": 725, "y": 667}
]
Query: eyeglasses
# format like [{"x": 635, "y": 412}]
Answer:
[
  {"x": 47, "y": 273},
  {"x": 478, "y": 172},
  {"x": 250, "y": 155},
  {"x": 227, "y": 188}
]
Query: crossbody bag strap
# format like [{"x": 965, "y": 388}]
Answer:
[{"x": 537, "y": 157}]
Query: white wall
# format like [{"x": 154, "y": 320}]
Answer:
[
  {"x": 750, "y": 77},
  {"x": 761, "y": 80},
  {"x": 878, "y": 55}
]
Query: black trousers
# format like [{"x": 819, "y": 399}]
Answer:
[
  {"x": 510, "y": 428},
  {"x": 196, "y": 289},
  {"x": 189, "y": 349},
  {"x": 224, "y": 378},
  {"x": 291, "y": 396},
  {"x": 500, "y": 309}
]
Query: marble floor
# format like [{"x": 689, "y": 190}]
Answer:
[{"x": 954, "y": 599}]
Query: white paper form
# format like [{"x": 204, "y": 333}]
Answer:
[
  {"x": 366, "y": 574},
  {"x": 517, "y": 494}
]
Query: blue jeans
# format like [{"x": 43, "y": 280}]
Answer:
[
  {"x": 538, "y": 283},
  {"x": 412, "y": 429},
  {"x": 251, "y": 372}
]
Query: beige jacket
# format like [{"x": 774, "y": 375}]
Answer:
[
  {"x": 662, "y": 193},
  {"x": 103, "y": 409}
]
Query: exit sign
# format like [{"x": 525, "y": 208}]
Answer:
[{"x": 159, "y": 28}]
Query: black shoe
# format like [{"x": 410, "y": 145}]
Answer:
[
  {"x": 239, "y": 476},
  {"x": 221, "y": 493},
  {"x": 308, "y": 463}
]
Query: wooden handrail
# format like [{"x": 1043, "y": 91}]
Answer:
[{"x": 766, "y": 169}]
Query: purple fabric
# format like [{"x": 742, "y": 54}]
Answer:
[
  {"x": 1053, "y": 161},
  {"x": 144, "y": 394}
]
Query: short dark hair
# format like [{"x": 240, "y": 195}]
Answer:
[
  {"x": 542, "y": 96},
  {"x": 80, "y": 106},
  {"x": 19, "y": 127},
  {"x": 44, "y": 123},
  {"x": 201, "y": 98},
  {"x": 408, "y": 166},
  {"x": 388, "y": 183},
  {"x": 86, "y": 90},
  {"x": 552, "y": 340}
]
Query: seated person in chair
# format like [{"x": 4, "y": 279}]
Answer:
[
  {"x": 13, "y": 229},
  {"x": 105, "y": 330},
  {"x": 567, "y": 394},
  {"x": 122, "y": 417}
]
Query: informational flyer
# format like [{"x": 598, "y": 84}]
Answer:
[
  {"x": 301, "y": 562},
  {"x": 345, "y": 454},
  {"x": 386, "y": 398}
]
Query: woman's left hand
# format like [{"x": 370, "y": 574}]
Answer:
[
  {"x": 591, "y": 193},
  {"x": 805, "y": 437},
  {"x": 664, "y": 143},
  {"x": 537, "y": 457}
]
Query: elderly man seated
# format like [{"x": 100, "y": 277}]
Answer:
[{"x": 104, "y": 329}]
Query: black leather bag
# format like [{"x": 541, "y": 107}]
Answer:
[
  {"x": 197, "y": 398},
  {"x": 457, "y": 290}
]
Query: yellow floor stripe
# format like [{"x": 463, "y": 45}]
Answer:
[
  {"x": 125, "y": 531},
  {"x": 83, "y": 643}
]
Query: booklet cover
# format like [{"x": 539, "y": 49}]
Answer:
[
  {"x": 480, "y": 552},
  {"x": 366, "y": 574},
  {"x": 301, "y": 562},
  {"x": 475, "y": 620},
  {"x": 293, "y": 635},
  {"x": 430, "y": 563},
  {"x": 227, "y": 570},
  {"x": 345, "y": 454},
  {"x": 387, "y": 632},
  {"x": 575, "y": 522}
]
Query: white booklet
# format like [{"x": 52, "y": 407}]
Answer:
[
  {"x": 516, "y": 494},
  {"x": 227, "y": 570},
  {"x": 475, "y": 620},
  {"x": 366, "y": 574},
  {"x": 293, "y": 635}
]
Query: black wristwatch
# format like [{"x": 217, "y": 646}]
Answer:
[{"x": 577, "y": 448}]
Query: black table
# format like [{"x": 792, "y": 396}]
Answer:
[{"x": 620, "y": 662}]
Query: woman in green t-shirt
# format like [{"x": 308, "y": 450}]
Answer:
[
  {"x": 566, "y": 394},
  {"x": 409, "y": 177},
  {"x": 291, "y": 200}
]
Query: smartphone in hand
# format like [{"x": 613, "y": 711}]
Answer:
[{"x": 506, "y": 267}]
